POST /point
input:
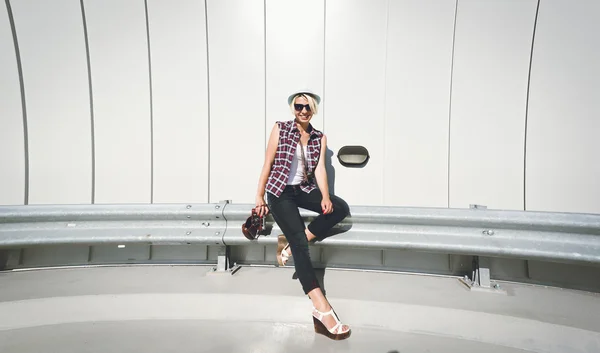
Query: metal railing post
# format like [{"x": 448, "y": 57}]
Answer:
[
  {"x": 480, "y": 277},
  {"x": 224, "y": 265}
]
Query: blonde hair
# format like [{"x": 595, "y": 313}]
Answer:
[{"x": 312, "y": 103}]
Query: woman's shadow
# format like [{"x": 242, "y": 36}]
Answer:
[
  {"x": 330, "y": 170},
  {"x": 346, "y": 224}
]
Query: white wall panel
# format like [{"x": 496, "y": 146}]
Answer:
[
  {"x": 237, "y": 98},
  {"x": 355, "y": 46},
  {"x": 121, "y": 94},
  {"x": 55, "y": 75},
  {"x": 419, "y": 61},
  {"x": 563, "y": 125},
  {"x": 179, "y": 99},
  {"x": 489, "y": 90},
  {"x": 294, "y": 55},
  {"x": 12, "y": 147}
]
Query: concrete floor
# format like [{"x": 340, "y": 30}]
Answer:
[{"x": 262, "y": 309}]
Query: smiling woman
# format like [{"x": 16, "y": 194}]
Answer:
[{"x": 294, "y": 175}]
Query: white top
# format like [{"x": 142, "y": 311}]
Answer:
[{"x": 297, "y": 167}]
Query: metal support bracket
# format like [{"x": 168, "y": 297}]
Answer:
[
  {"x": 10, "y": 259},
  {"x": 220, "y": 214},
  {"x": 3, "y": 259},
  {"x": 224, "y": 262},
  {"x": 480, "y": 280},
  {"x": 224, "y": 252}
]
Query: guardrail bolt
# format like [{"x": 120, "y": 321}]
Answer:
[
  {"x": 496, "y": 286},
  {"x": 217, "y": 233},
  {"x": 206, "y": 224},
  {"x": 217, "y": 207},
  {"x": 488, "y": 232},
  {"x": 188, "y": 206},
  {"x": 188, "y": 233}
]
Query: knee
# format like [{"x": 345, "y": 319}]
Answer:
[{"x": 342, "y": 207}]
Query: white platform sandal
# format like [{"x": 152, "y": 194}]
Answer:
[
  {"x": 336, "y": 332},
  {"x": 282, "y": 247}
]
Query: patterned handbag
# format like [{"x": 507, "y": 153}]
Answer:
[{"x": 253, "y": 225}]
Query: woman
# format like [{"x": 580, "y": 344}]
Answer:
[{"x": 294, "y": 176}]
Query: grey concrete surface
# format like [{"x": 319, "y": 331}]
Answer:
[
  {"x": 184, "y": 336},
  {"x": 260, "y": 309}
]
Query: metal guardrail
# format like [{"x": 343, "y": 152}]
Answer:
[
  {"x": 22, "y": 226},
  {"x": 558, "y": 237},
  {"x": 555, "y": 237}
]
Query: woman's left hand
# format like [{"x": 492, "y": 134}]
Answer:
[{"x": 326, "y": 205}]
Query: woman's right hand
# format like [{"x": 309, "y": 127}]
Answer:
[{"x": 261, "y": 206}]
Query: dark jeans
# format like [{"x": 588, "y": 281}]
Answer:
[{"x": 285, "y": 212}]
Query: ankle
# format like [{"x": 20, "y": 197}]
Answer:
[
  {"x": 309, "y": 236},
  {"x": 324, "y": 307}
]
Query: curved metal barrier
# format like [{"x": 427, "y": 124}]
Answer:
[
  {"x": 96, "y": 224},
  {"x": 572, "y": 238},
  {"x": 562, "y": 237},
  {"x": 554, "y": 237}
]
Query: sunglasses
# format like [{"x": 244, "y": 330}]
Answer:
[{"x": 299, "y": 107}]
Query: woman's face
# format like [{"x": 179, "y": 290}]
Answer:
[{"x": 302, "y": 110}]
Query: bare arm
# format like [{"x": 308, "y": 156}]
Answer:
[
  {"x": 321, "y": 176},
  {"x": 266, "y": 170}
]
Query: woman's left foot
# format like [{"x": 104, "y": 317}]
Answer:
[
  {"x": 328, "y": 324},
  {"x": 283, "y": 250}
]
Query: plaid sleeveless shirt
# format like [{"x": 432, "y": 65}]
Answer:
[{"x": 289, "y": 135}]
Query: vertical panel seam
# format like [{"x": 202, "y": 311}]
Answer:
[
  {"x": 207, "y": 95},
  {"x": 385, "y": 67},
  {"x": 89, "y": 69},
  {"x": 450, "y": 100},
  {"x": 324, "y": 55},
  {"x": 537, "y": 10},
  {"x": 151, "y": 104},
  {"x": 23, "y": 101},
  {"x": 265, "y": 69}
]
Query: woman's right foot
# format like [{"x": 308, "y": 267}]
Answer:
[
  {"x": 328, "y": 324},
  {"x": 283, "y": 250}
]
